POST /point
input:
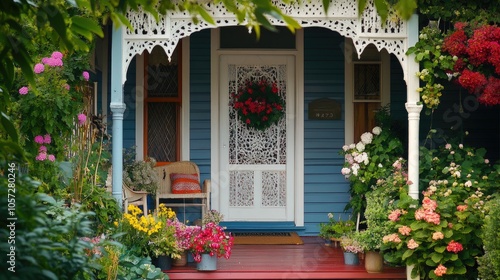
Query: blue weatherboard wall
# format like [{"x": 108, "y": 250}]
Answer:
[
  {"x": 200, "y": 101},
  {"x": 326, "y": 190}
]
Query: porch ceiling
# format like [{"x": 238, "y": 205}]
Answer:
[{"x": 342, "y": 17}]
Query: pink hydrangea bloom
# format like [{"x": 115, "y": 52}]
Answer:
[
  {"x": 440, "y": 270},
  {"x": 86, "y": 75},
  {"x": 23, "y": 91},
  {"x": 57, "y": 55},
  {"x": 394, "y": 216},
  {"x": 454, "y": 247},
  {"x": 404, "y": 230},
  {"x": 41, "y": 156},
  {"x": 47, "y": 139},
  {"x": 52, "y": 158},
  {"x": 45, "y": 60},
  {"x": 42, "y": 149},
  {"x": 429, "y": 204},
  {"x": 437, "y": 235},
  {"x": 38, "y": 139},
  {"x": 54, "y": 62},
  {"x": 419, "y": 214},
  {"x": 39, "y": 68},
  {"x": 66, "y": 86},
  {"x": 433, "y": 218},
  {"x": 412, "y": 244},
  {"x": 82, "y": 118},
  {"x": 391, "y": 238}
]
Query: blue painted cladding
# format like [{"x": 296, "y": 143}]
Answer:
[
  {"x": 326, "y": 190},
  {"x": 200, "y": 101}
]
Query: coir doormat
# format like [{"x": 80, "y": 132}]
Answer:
[{"x": 267, "y": 238}]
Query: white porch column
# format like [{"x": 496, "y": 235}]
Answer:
[
  {"x": 413, "y": 108},
  {"x": 117, "y": 109}
]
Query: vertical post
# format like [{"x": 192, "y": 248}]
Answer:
[
  {"x": 413, "y": 108},
  {"x": 117, "y": 107}
]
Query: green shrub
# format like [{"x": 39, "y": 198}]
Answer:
[{"x": 489, "y": 263}]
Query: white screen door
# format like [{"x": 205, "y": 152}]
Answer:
[{"x": 256, "y": 178}]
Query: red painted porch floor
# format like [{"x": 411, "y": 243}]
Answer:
[{"x": 313, "y": 260}]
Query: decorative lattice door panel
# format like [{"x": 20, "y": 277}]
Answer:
[{"x": 256, "y": 162}]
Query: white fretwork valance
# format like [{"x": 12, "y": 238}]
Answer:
[{"x": 341, "y": 17}]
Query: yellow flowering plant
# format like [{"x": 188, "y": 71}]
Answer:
[{"x": 148, "y": 235}]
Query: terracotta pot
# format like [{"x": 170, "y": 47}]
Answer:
[{"x": 374, "y": 262}]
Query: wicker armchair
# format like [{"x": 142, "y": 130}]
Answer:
[
  {"x": 165, "y": 186},
  {"x": 136, "y": 198}
]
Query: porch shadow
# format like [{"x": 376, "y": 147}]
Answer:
[{"x": 312, "y": 260}]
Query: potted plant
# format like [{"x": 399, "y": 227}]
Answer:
[
  {"x": 183, "y": 235},
  {"x": 163, "y": 244},
  {"x": 210, "y": 243},
  {"x": 140, "y": 175},
  {"x": 335, "y": 229},
  {"x": 351, "y": 248},
  {"x": 148, "y": 235}
]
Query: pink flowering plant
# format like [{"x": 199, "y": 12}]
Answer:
[
  {"x": 51, "y": 105},
  {"x": 211, "y": 239},
  {"x": 183, "y": 233},
  {"x": 440, "y": 234}
]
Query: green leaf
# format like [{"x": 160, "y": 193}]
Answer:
[
  {"x": 406, "y": 8},
  {"x": 440, "y": 249},
  {"x": 9, "y": 127},
  {"x": 326, "y": 5},
  {"x": 86, "y": 27},
  {"x": 259, "y": 15},
  {"x": 205, "y": 15},
  {"x": 361, "y": 7},
  {"x": 58, "y": 23},
  {"x": 436, "y": 257},
  {"x": 407, "y": 254},
  {"x": 382, "y": 9}
]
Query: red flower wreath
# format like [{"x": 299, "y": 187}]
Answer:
[{"x": 258, "y": 104}]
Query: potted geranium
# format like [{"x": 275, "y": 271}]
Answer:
[{"x": 210, "y": 243}]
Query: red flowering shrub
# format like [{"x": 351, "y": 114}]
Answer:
[
  {"x": 473, "y": 82},
  {"x": 476, "y": 54}
]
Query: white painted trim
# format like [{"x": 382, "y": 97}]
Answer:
[
  {"x": 299, "y": 129},
  {"x": 214, "y": 117},
  {"x": 139, "y": 106},
  {"x": 186, "y": 100}
]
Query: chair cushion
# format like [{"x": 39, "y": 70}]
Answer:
[{"x": 185, "y": 183}]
